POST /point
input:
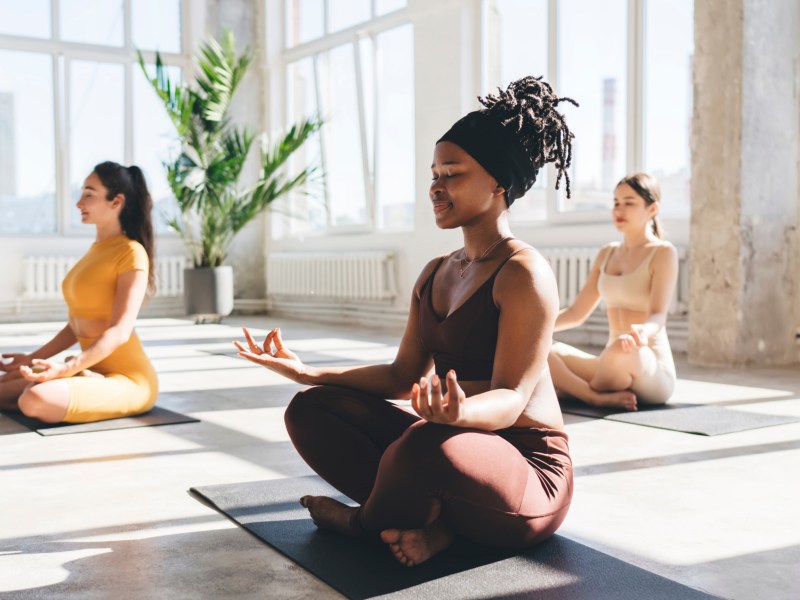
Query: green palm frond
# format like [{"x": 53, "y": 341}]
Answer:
[
  {"x": 273, "y": 158},
  {"x": 205, "y": 177},
  {"x": 220, "y": 74}
]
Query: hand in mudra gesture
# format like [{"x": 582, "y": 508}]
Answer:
[
  {"x": 436, "y": 405},
  {"x": 634, "y": 339},
  {"x": 11, "y": 363},
  {"x": 272, "y": 354}
]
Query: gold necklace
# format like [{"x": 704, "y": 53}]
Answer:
[{"x": 469, "y": 263}]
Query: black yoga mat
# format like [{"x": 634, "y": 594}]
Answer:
[
  {"x": 557, "y": 569},
  {"x": 156, "y": 416},
  {"x": 576, "y": 407},
  {"x": 687, "y": 418}
]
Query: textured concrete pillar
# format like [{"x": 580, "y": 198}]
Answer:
[
  {"x": 744, "y": 276},
  {"x": 245, "y": 18}
]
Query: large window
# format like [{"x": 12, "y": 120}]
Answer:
[
  {"x": 362, "y": 84},
  {"x": 628, "y": 64},
  {"x": 308, "y": 20},
  {"x": 72, "y": 96},
  {"x": 668, "y": 52},
  {"x": 27, "y": 143}
]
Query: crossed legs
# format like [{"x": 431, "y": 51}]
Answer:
[
  {"x": 83, "y": 398},
  {"x": 47, "y": 401},
  {"x": 600, "y": 380},
  {"x": 420, "y": 484}
]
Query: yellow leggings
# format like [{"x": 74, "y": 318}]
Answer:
[{"x": 129, "y": 385}]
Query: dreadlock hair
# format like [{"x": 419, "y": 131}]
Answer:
[
  {"x": 528, "y": 107},
  {"x": 135, "y": 216},
  {"x": 515, "y": 134},
  {"x": 646, "y": 186}
]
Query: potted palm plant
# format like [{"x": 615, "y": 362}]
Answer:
[{"x": 205, "y": 177}]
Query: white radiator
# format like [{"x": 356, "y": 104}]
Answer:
[
  {"x": 44, "y": 274},
  {"x": 340, "y": 276},
  {"x": 572, "y": 265}
]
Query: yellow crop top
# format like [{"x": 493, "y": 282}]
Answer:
[{"x": 90, "y": 286}]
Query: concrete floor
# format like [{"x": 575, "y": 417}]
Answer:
[{"x": 108, "y": 515}]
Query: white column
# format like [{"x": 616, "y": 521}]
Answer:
[{"x": 744, "y": 240}]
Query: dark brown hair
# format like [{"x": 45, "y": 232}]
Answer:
[
  {"x": 646, "y": 186},
  {"x": 136, "y": 215}
]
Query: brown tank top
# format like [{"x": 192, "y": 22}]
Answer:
[{"x": 464, "y": 340}]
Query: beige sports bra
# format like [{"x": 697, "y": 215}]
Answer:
[{"x": 630, "y": 291}]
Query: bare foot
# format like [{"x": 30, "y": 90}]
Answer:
[
  {"x": 328, "y": 513},
  {"x": 414, "y": 546},
  {"x": 623, "y": 399}
]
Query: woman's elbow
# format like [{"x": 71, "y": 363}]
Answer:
[{"x": 119, "y": 335}]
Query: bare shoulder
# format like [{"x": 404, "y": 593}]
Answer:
[
  {"x": 526, "y": 271},
  {"x": 426, "y": 273},
  {"x": 665, "y": 252},
  {"x": 607, "y": 249},
  {"x": 603, "y": 254}
]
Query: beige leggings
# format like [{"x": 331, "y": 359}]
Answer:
[{"x": 654, "y": 386}]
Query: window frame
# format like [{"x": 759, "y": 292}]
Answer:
[
  {"x": 62, "y": 54},
  {"x": 354, "y": 36},
  {"x": 635, "y": 104}
]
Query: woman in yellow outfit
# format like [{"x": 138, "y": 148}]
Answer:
[{"x": 111, "y": 376}]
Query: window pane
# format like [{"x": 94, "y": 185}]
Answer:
[
  {"x": 154, "y": 140},
  {"x": 394, "y": 171},
  {"x": 517, "y": 45},
  {"x": 96, "y": 121},
  {"x": 302, "y": 212},
  {"x": 669, "y": 46},
  {"x": 598, "y": 81},
  {"x": 341, "y": 138},
  {"x": 304, "y": 21},
  {"x": 29, "y": 18},
  {"x": 92, "y": 21},
  {"x": 27, "y": 145},
  {"x": 386, "y": 6},
  {"x": 347, "y": 13},
  {"x": 156, "y": 25}
]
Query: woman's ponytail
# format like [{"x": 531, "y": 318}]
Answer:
[
  {"x": 136, "y": 215},
  {"x": 657, "y": 231}
]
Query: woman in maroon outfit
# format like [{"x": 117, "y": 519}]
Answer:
[{"x": 481, "y": 452}]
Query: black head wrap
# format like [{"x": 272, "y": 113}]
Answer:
[{"x": 517, "y": 132}]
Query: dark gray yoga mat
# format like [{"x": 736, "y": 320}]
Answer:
[
  {"x": 576, "y": 407},
  {"x": 557, "y": 569},
  {"x": 156, "y": 416},
  {"x": 687, "y": 418},
  {"x": 703, "y": 420}
]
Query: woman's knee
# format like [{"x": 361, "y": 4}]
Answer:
[
  {"x": 32, "y": 403},
  {"x": 303, "y": 406},
  {"x": 616, "y": 355},
  {"x": 308, "y": 405}
]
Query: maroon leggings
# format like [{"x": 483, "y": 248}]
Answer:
[{"x": 508, "y": 488}]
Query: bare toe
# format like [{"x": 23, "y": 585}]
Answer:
[
  {"x": 328, "y": 513},
  {"x": 390, "y": 536},
  {"x": 414, "y": 546}
]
